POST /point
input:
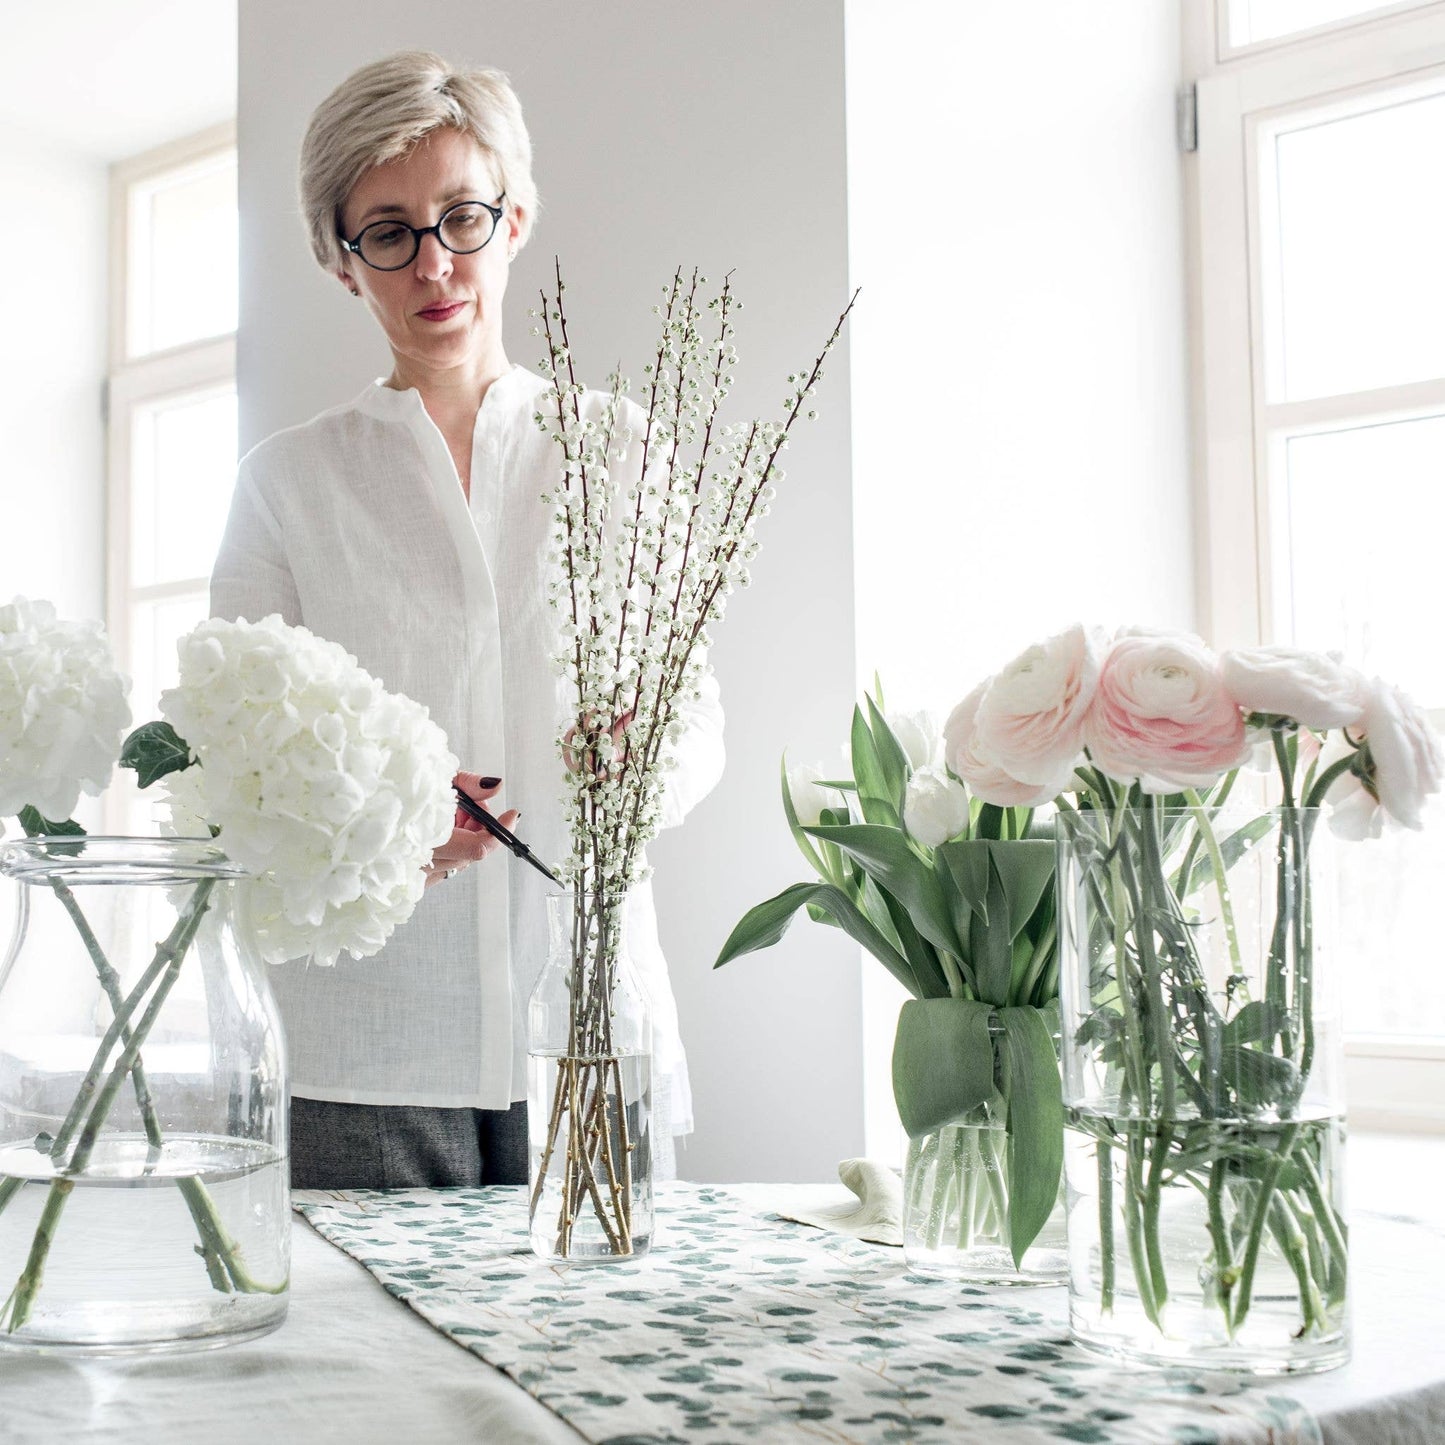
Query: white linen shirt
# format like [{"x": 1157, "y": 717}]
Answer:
[{"x": 355, "y": 525}]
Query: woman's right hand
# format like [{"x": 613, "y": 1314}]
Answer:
[{"x": 469, "y": 841}]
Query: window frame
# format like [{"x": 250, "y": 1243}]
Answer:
[
  {"x": 134, "y": 383},
  {"x": 1393, "y": 1082}
]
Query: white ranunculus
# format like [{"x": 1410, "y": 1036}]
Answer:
[
  {"x": 1313, "y": 688},
  {"x": 989, "y": 782},
  {"x": 1030, "y": 721},
  {"x": 1408, "y": 764},
  {"x": 935, "y": 806},
  {"x": 63, "y": 710},
  {"x": 331, "y": 790},
  {"x": 809, "y": 799},
  {"x": 918, "y": 736}
]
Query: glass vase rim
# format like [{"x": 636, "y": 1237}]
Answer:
[
  {"x": 94, "y": 858},
  {"x": 1075, "y": 817}
]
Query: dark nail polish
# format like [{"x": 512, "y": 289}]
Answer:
[{"x": 488, "y": 782}]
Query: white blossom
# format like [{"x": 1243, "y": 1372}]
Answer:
[
  {"x": 63, "y": 710},
  {"x": 331, "y": 790},
  {"x": 918, "y": 736},
  {"x": 808, "y": 798},
  {"x": 1315, "y": 689},
  {"x": 935, "y": 806}
]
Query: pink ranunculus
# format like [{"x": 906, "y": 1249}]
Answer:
[
  {"x": 1162, "y": 715},
  {"x": 987, "y": 781},
  {"x": 1408, "y": 764},
  {"x": 1030, "y": 722},
  {"x": 1313, "y": 688}
]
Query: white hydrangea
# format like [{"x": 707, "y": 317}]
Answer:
[
  {"x": 63, "y": 710},
  {"x": 331, "y": 790}
]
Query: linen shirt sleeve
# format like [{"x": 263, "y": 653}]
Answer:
[
  {"x": 252, "y": 577},
  {"x": 698, "y": 753}
]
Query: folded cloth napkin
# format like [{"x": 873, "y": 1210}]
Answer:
[{"x": 875, "y": 1214}]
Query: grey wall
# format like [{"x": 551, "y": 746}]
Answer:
[{"x": 665, "y": 133}]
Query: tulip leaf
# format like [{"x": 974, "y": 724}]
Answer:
[
  {"x": 1034, "y": 1095},
  {"x": 764, "y": 925},
  {"x": 889, "y": 859},
  {"x": 967, "y": 862},
  {"x": 892, "y": 760},
  {"x": 877, "y": 801},
  {"x": 799, "y": 837},
  {"x": 943, "y": 1063},
  {"x": 1026, "y": 870},
  {"x": 990, "y": 944},
  {"x": 153, "y": 750},
  {"x": 37, "y": 826}
]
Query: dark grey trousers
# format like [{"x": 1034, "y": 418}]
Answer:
[{"x": 386, "y": 1146}]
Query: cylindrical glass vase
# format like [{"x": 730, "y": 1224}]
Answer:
[
  {"x": 1203, "y": 1088},
  {"x": 956, "y": 1191},
  {"x": 144, "y": 1194},
  {"x": 589, "y": 1097}
]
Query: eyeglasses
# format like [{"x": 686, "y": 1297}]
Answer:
[{"x": 392, "y": 245}]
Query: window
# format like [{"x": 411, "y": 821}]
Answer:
[
  {"x": 1321, "y": 363},
  {"x": 172, "y": 409}
]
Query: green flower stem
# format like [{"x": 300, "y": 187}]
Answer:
[
  {"x": 221, "y": 1253},
  {"x": 171, "y": 954},
  {"x": 16, "y": 1309},
  {"x": 110, "y": 982},
  {"x": 1258, "y": 1219},
  {"x": 1325, "y": 1214},
  {"x": 1104, "y": 1158},
  {"x": 1153, "y": 870},
  {"x": 1153, "y": 1191},
  {"x": 1304, "y": 1223},
  {"x": 1134, "y": 1224},
  {"x": 1321, "y": 786},
  {"x": 89, "y": 1084},
  {"x": 1225, "y": 1269},
  {"x": 995, "y": 1176},
  {"x": 1291, "y": 1241},
  {"x": 1216, "y": 859},
  {"x": 1044, "y": 954}
]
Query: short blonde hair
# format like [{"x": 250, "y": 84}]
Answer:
[{"x": 381, "y": 111}]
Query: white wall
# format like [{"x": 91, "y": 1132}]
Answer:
[
  {"x": 52, "y": 366},
  {"x": 1020, "y": 432},
  {"x": 664, "y": 133}
]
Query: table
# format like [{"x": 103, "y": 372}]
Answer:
[{"x": 352, "y": 1364}]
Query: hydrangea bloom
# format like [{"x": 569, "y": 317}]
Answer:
[
  {"x": 327, "y": 787},
  {"x": 62, "y": 710}
]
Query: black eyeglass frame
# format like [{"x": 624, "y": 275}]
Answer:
[{"x": 496, "y": 211}]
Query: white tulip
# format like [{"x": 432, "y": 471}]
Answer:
[
  {"x": 918, "y": 736},
  {"x": 935, "y": 807},
  {"x": 809, "y": 799}
]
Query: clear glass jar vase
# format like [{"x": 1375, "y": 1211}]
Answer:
[
  {"x": 956, "y": 1189},
  {"x": 144, "y": 1191},
  {"x": 589, "y": 1096},
  {"x": 1203, "y": 1067}
]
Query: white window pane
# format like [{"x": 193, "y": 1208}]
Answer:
[
  {"x": 1358, "y": 551},
  {"x": 1251, "y": 21},
  {"x": 156, "y": 627},
  {"x": 182, "y": 469},
  {"x": 184, "y": 238},
  {"x": 1359, "y": 288}
]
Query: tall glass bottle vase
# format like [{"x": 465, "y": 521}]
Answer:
[
  {"x": 589, "y": 1099},
  {"x": 144, "y": 1195},
  {"x": 1202, "y": 1088}
]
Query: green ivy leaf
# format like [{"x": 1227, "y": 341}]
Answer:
[
  {"x": 153, "y": 750},
  {"x": 37, "y": 826}
]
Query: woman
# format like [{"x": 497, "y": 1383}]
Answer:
[{"x": 406, "y": 525}]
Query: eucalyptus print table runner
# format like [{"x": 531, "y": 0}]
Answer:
[{"x": 741, "y": 1327}]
